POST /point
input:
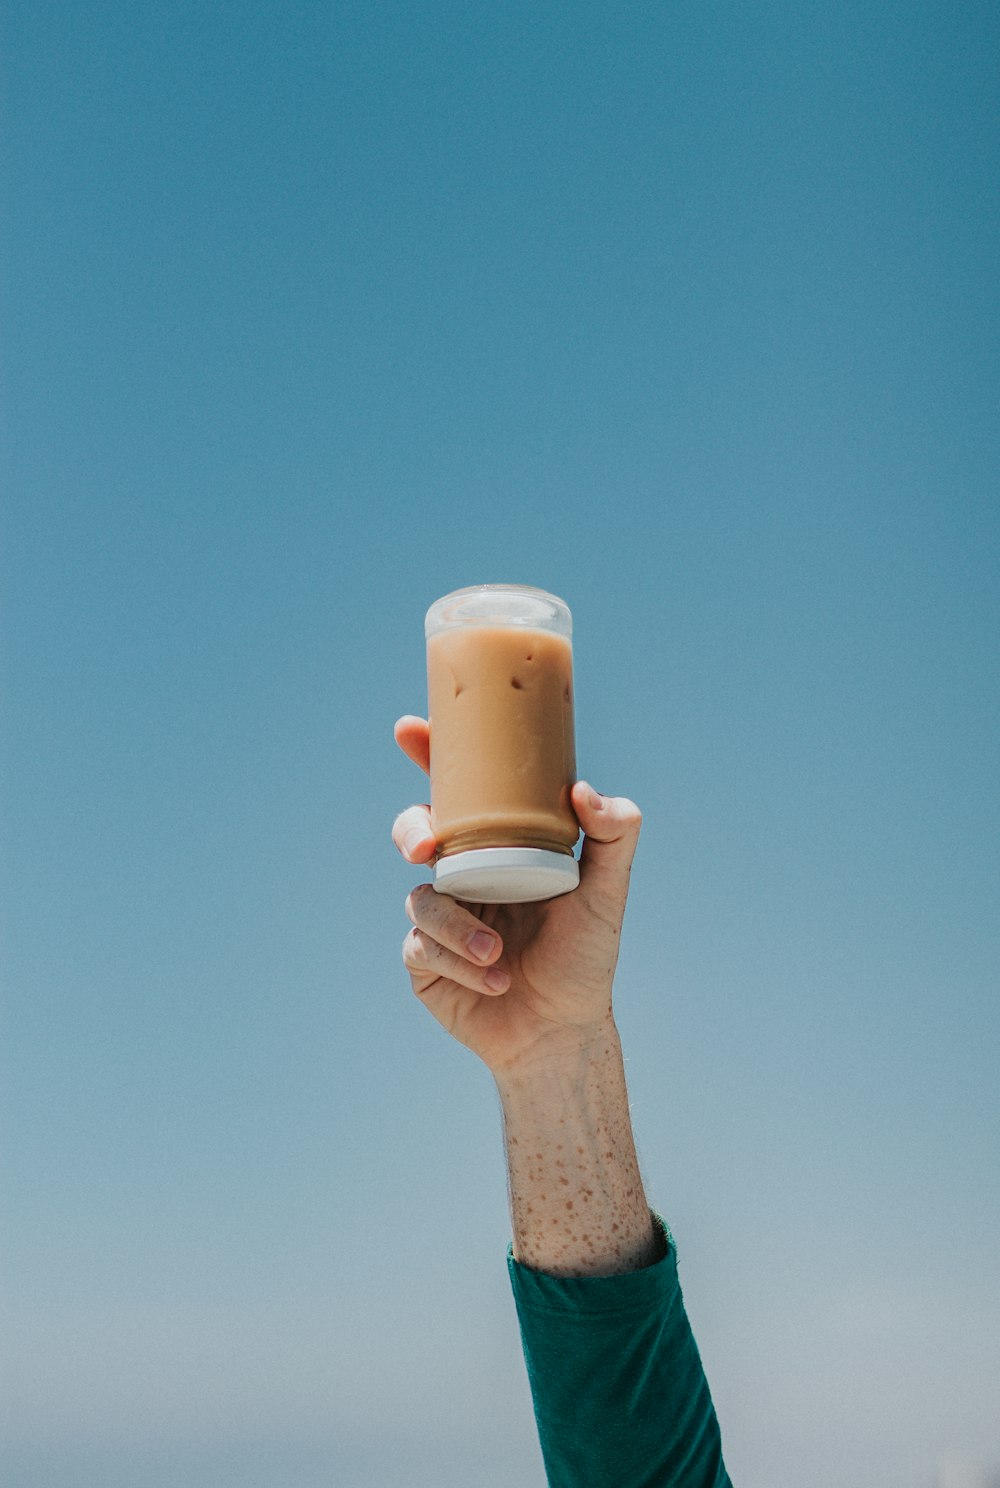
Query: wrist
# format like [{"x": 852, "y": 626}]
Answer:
[{"x": 564, "y": 1053}]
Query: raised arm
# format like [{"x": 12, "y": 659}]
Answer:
[
  {"x": 546, "y": 1031},
  {"x": 620, "y": 1396}
]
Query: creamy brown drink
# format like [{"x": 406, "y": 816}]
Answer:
[
  {"x": 500, "y": 693},
  {"x": 502, "y": 757}
]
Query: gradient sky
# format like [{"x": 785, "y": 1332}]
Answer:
[{"x": 686, "y": 312}]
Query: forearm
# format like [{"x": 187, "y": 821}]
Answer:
[{"x": 577, "y": 1201}]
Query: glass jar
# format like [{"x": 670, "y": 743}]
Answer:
[{"x": 500, "y": 701}]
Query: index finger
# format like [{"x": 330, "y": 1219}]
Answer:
[{"x": 413, "y": 735}]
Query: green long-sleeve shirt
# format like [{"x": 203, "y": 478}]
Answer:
[{"x": 621, "y": 1398}]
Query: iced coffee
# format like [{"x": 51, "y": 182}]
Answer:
[{"x": 500, "y": 694}]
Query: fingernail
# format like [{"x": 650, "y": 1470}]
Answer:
[
  {"x": 596, "y": 801},
  {"x": 413, "y": 840},
  {"x": 497, "y": 979},
  {"x": 480, "y": 944}
]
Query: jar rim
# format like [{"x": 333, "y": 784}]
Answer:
[{"x": 517, "y": 605}]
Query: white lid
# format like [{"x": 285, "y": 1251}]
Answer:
[{"x": 506, "y": 875}]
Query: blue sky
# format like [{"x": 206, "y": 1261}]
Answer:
[{"x": 313, "y": 313}]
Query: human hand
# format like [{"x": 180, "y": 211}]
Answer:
[{"x": 556, "y": 958}]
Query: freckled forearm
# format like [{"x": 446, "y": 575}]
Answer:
[{"x": 577, "y": 1201}]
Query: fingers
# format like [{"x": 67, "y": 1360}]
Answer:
[
  {"x": 413, "y": 835},
  {"x": 452, "y": 924},
  {"x": 448, "y": 941},
  {"x": 611, "y": 827},
  {"x": 427, "y": 961},
  {"x": 413, "y": 735},
  {"x": 411, "y": 831}
]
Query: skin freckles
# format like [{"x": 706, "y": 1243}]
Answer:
[{"x": 588, "y": 1092}]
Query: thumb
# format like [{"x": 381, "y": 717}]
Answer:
[{"x": 611, "y": 830}]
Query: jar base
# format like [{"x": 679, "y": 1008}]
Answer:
[{"x": 506, "y": 875}]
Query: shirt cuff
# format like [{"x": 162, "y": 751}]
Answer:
[{"x": 538, "y": 1290}]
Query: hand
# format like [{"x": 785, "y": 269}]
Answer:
[{"x": 556, "y": 959}]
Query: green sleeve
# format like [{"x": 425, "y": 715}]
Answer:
[{"x": 621, "y": 1398}]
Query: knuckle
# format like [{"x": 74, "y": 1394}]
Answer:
[
  {"x": 414, "y": 956},
  {"x": 423, "y": 898},
  {"x": 405, "y": 821},
  {"x": 418, "y": 903},
  {"x": 631, "y": 813}
]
